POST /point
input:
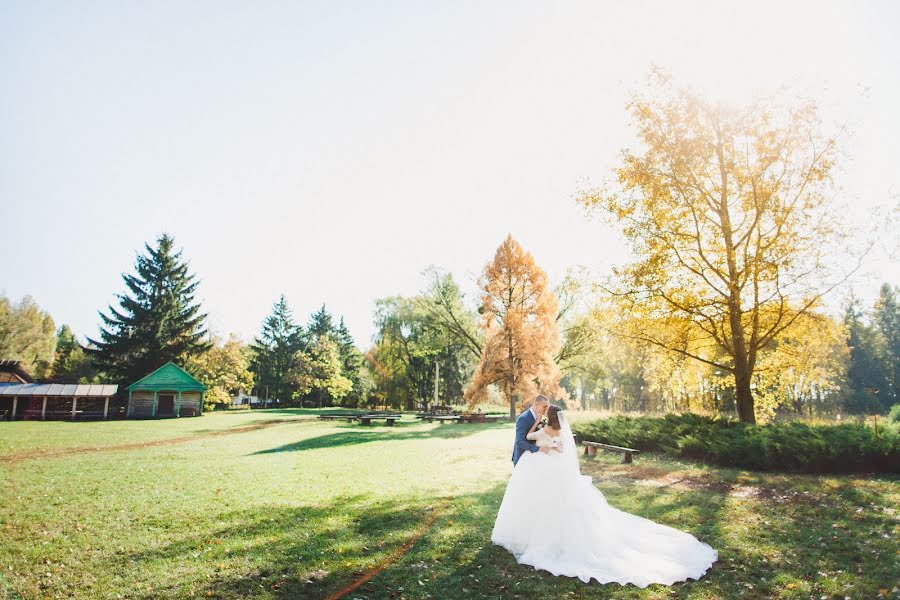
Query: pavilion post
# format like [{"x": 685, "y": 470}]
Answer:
[
  {"x": 44, "y": 409},
  {"x": 74, "y": 405},
  {"x": 15, "y": 402},
  {"x": 178, "y": 404},
  {"x": 155, "y": 401},
  {"x": 105, "y": 407}
]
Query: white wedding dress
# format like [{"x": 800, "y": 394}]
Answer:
[{"x": 553, "y": 518}]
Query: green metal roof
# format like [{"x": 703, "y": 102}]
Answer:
[{"x": 168, "y": 377}]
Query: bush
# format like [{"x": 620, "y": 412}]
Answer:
[
  {"x": 790, "y": 446},
  {"x": 894, "y": 416}
]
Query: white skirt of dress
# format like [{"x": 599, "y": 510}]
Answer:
[{"x": 553, "y": 518}]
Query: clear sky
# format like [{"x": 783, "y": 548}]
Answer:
[{"x": 332, "y": 150}]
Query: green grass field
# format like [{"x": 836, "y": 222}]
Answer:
[{"x": 275, "y": 504}]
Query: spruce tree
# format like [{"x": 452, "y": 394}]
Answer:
[
  {"x": 321, "y": 324},
  {"x": 158, "y": 319},
  {"x": 351, "y": 361},
  {"x": 274, "y": 352},
  {"x": 887, "y": 320},
  {"x": 866, "y": 376}
]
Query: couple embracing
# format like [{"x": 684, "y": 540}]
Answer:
[{"x": 553, "y": 518}]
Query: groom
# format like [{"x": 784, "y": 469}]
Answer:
[{"x": 523, "y": 425}]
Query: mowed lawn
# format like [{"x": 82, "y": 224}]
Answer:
[{"x": 275, "y": 504}]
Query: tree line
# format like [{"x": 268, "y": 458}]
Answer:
[
  {"x": 157, "y": 319},
  {"x": 736, "y": 238}
]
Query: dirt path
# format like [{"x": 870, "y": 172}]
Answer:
[
  {"x": 38, "y": 454},
  {"x": 395, "y": 555}
]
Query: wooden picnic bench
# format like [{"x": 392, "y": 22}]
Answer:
[
  {"x": 332, "y": 416},
  {"x": 389, "y": 419},
  {"x": 443, "y": 418},
  {"x": 590, "y": 449}
]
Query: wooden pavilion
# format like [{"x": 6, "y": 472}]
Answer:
[
  {"x": 169, "y": 391},
  {"x": 55, "y": 400}
]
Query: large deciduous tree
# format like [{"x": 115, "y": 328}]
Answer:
[
  {"x": 317, "y": 371},
  {"x": 521, "y": 335},
  {"x": 728, "y": 213},
  {"x": 158, "y": 320},
  {"x": 27, "y": 334},
  {"x": 224, "y": 369},
  {"x": 445, "y": 307},
  {"x": 72, "y": 363}
]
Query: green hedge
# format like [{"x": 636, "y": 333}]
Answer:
[{"x": 786, "y": 446}]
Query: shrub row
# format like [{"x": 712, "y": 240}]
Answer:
[{"x": 780, "y": 446}]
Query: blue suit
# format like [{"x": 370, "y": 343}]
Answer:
[{"x": 522, "y": 444}]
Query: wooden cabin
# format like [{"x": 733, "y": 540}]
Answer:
[{"x": 169, "y": 391}]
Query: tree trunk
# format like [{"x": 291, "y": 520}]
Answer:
[{"x": 743, "y": 397}]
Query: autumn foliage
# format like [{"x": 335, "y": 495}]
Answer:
[
  {"x": 521, "y": 335},
  {"x": 730, "y": 215}
]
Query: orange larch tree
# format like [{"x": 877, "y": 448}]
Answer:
[{"x": 521, "y": 335}]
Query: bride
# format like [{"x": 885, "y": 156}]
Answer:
[{"x": 553, "y": 518}]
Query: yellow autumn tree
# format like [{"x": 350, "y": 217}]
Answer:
[
  {"x": 521, "y": 335},
  {"x": 730, "y": 216}
]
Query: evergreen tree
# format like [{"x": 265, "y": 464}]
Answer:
[
  {"x": 321, "y": 324},
  {"x": 865, "y": 373},
  {"x": 352, "y": 361},
  {"x": 887, "y": 320},
  {"x": 274, "y": 351},
  {"x": 158, "y": 320}
]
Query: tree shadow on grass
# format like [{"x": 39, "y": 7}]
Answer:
[
  {"x": 364, "y": 435},
  {"x": 766, "y": 542},
  {"x": 313, "y": 551},
  {"x": 282, "y": 552}
]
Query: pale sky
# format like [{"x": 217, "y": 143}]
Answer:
[{"x": 331, "y": 151}]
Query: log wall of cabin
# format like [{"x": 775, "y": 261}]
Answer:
[
  {"x": 141, "y": 404},
  {"x": 190, "y": 404}
]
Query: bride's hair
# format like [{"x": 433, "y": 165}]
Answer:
[{"x": 553, "y": 417}]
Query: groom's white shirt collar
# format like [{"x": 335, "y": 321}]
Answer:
[{"x": 533, "y": 414}]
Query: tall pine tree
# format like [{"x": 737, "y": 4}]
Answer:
[
  {"x": 351, "y": 361},
  {"x": 321, "y": 324},
  {"x": 887, "y": 320},
  {"x": 274, "y": 352},
  {"x": 158, "y": 320},
  {"x": 868, "y": 384}
]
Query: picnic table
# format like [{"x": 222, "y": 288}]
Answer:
[
  {"x": 590, "y": 449},
  {"x": 389, "y": 419},
  {"x": 443, "y": 418},
  {"x": 333, "y": 416}
]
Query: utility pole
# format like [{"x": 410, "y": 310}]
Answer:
[{"x": 437, "y": 371}]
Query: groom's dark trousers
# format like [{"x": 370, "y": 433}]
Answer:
[{"x": 522, "y": 445}]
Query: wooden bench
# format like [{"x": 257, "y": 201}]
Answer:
[
  {"x": 332, "y": 416},
  {"x": 443, "y": 418},
  {"x": 590, "y": 449},
  {"x": 389, "y": 420}
]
